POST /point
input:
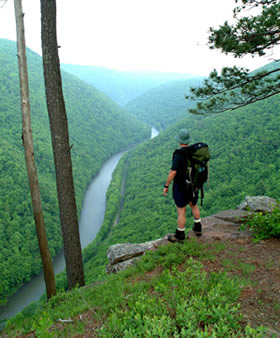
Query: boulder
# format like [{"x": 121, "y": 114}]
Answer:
[
  {"x": 123, "y": 255},
  {"x": 122, "y": 252},
  {"x": 114, "y": 268},
  {"x": 258, "y": 204}
]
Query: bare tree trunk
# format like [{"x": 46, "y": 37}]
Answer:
[
  {"x": 61, "y": 147},
  {"x": 29, "y": 154}
]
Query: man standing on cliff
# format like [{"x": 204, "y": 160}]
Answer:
[{"x": 181, "y": 196}]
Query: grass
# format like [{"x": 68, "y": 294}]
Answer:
[
  {"x": 167, "y": 294},
  {"x": 247, "y": 269},
  {"x": 276, "y": 306}
]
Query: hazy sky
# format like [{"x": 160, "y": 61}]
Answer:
[{"x": 161, "y": 35}]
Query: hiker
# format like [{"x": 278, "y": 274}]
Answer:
[{"x": 181, "y": 195}]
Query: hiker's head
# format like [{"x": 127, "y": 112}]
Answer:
[{"x": 183, "y": 137}]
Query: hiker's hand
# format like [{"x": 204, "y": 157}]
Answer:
[{"x": 165, "y": 191}]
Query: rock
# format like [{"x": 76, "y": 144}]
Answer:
[
  {"x": 122, "y": 252},
  {"x": 121, "y": 265},
  {"x": 223, "y": 225},
  {"x": 258, "y": 204},
  {"x": 234, "y": 216}
]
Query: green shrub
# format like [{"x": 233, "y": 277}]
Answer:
[
  {"x": 189, "y": 303},
  {"x": 264, "y": 225}
]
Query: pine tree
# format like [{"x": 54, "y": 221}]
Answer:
[
  {"x": 250, "y": 35},
  {"x": 61, "y": 146}
]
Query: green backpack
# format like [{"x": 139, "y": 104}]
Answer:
[{"x": 198, "y": 167}]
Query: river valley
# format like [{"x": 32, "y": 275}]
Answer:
[{"x": 91, "y": 219}]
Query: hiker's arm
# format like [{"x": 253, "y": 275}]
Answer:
[{"x": 170, "y": 178}]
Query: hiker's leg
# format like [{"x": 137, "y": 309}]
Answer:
[
  {"x": 195, "y": 210},
  {"x": 181, "y": 221},
  {"x": 179, "y": 199},
  {"x": 197, "y": 228},
  {"x": 179, "y": 235}
]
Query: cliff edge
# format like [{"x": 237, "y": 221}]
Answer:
[{"x": 224, "y": 225}]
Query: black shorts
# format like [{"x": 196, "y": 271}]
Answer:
[{"x": 182, "y": 198}]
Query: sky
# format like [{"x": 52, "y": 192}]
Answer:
[{"x": 134, "y": 35}]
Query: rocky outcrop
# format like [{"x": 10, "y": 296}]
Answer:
[
  {"x": 123, "y": 255},
  {"x": 221, "y": 226}
]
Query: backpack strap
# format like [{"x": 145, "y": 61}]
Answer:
[{"x": 201, "y": 196}]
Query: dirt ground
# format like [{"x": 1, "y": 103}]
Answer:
[{"x": 259, "y": 264}]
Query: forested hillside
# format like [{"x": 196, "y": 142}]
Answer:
[
  {"x": 121, "y": 86},
  {"x": 98, "y": 128},
  {"x": 245, "y": 149},
  {"x": 165, "y": 104}
]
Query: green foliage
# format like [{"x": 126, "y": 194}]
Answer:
[
  {"x": 98, "y": 128},
  {"x": 172, "y": 302},
  {"x": 264, "y": 226},
  {"x": 185, "y": 303},
  {"x": 235, "y": 87},
  {"x": 252, "y": 34},
  {"x": 40, "y": 326}
]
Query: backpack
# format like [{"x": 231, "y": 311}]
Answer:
[{"x": 198, "y": 168}]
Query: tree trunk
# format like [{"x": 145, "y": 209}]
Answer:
[
  {"x": 29, "y": 155},
  {"x": 61, "y": 148}
]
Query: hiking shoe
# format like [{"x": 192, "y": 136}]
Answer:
[
  {"x": 197, "y": 229},
  {"x": 173, "y": 239},
  {"x": 179, "y": 237}
]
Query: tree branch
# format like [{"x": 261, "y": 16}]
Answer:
[
  {"x": 222, "y": 107},
  {"x": 214, "y": 91},
  {"x": 4, "y": 3}
]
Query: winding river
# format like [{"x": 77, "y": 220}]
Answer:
[{"x": 91, "y": 219}]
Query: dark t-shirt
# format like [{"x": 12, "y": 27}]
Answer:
[{"x": 179, "y": 164}]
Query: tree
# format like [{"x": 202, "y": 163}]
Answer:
[
  {"x": 250, "y": 35},
  {"x": 29, "y": 155},
  {"x": 61, "y": 146}
]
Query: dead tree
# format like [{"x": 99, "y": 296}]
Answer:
[{"x": 29, "y": 154}]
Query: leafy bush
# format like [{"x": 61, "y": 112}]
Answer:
[
  {"x": 264, "y": 226},
  {"x": 187, "y": 303}
]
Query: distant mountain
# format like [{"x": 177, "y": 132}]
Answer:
[
  {"x": 121, "y": 86},
  {"x": 98, "y": 128},
  {"x": 268, "y": 67},
  {"x": 165, "y": 104}
]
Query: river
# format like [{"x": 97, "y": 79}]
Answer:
[{"x": 91, "y": 219}]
